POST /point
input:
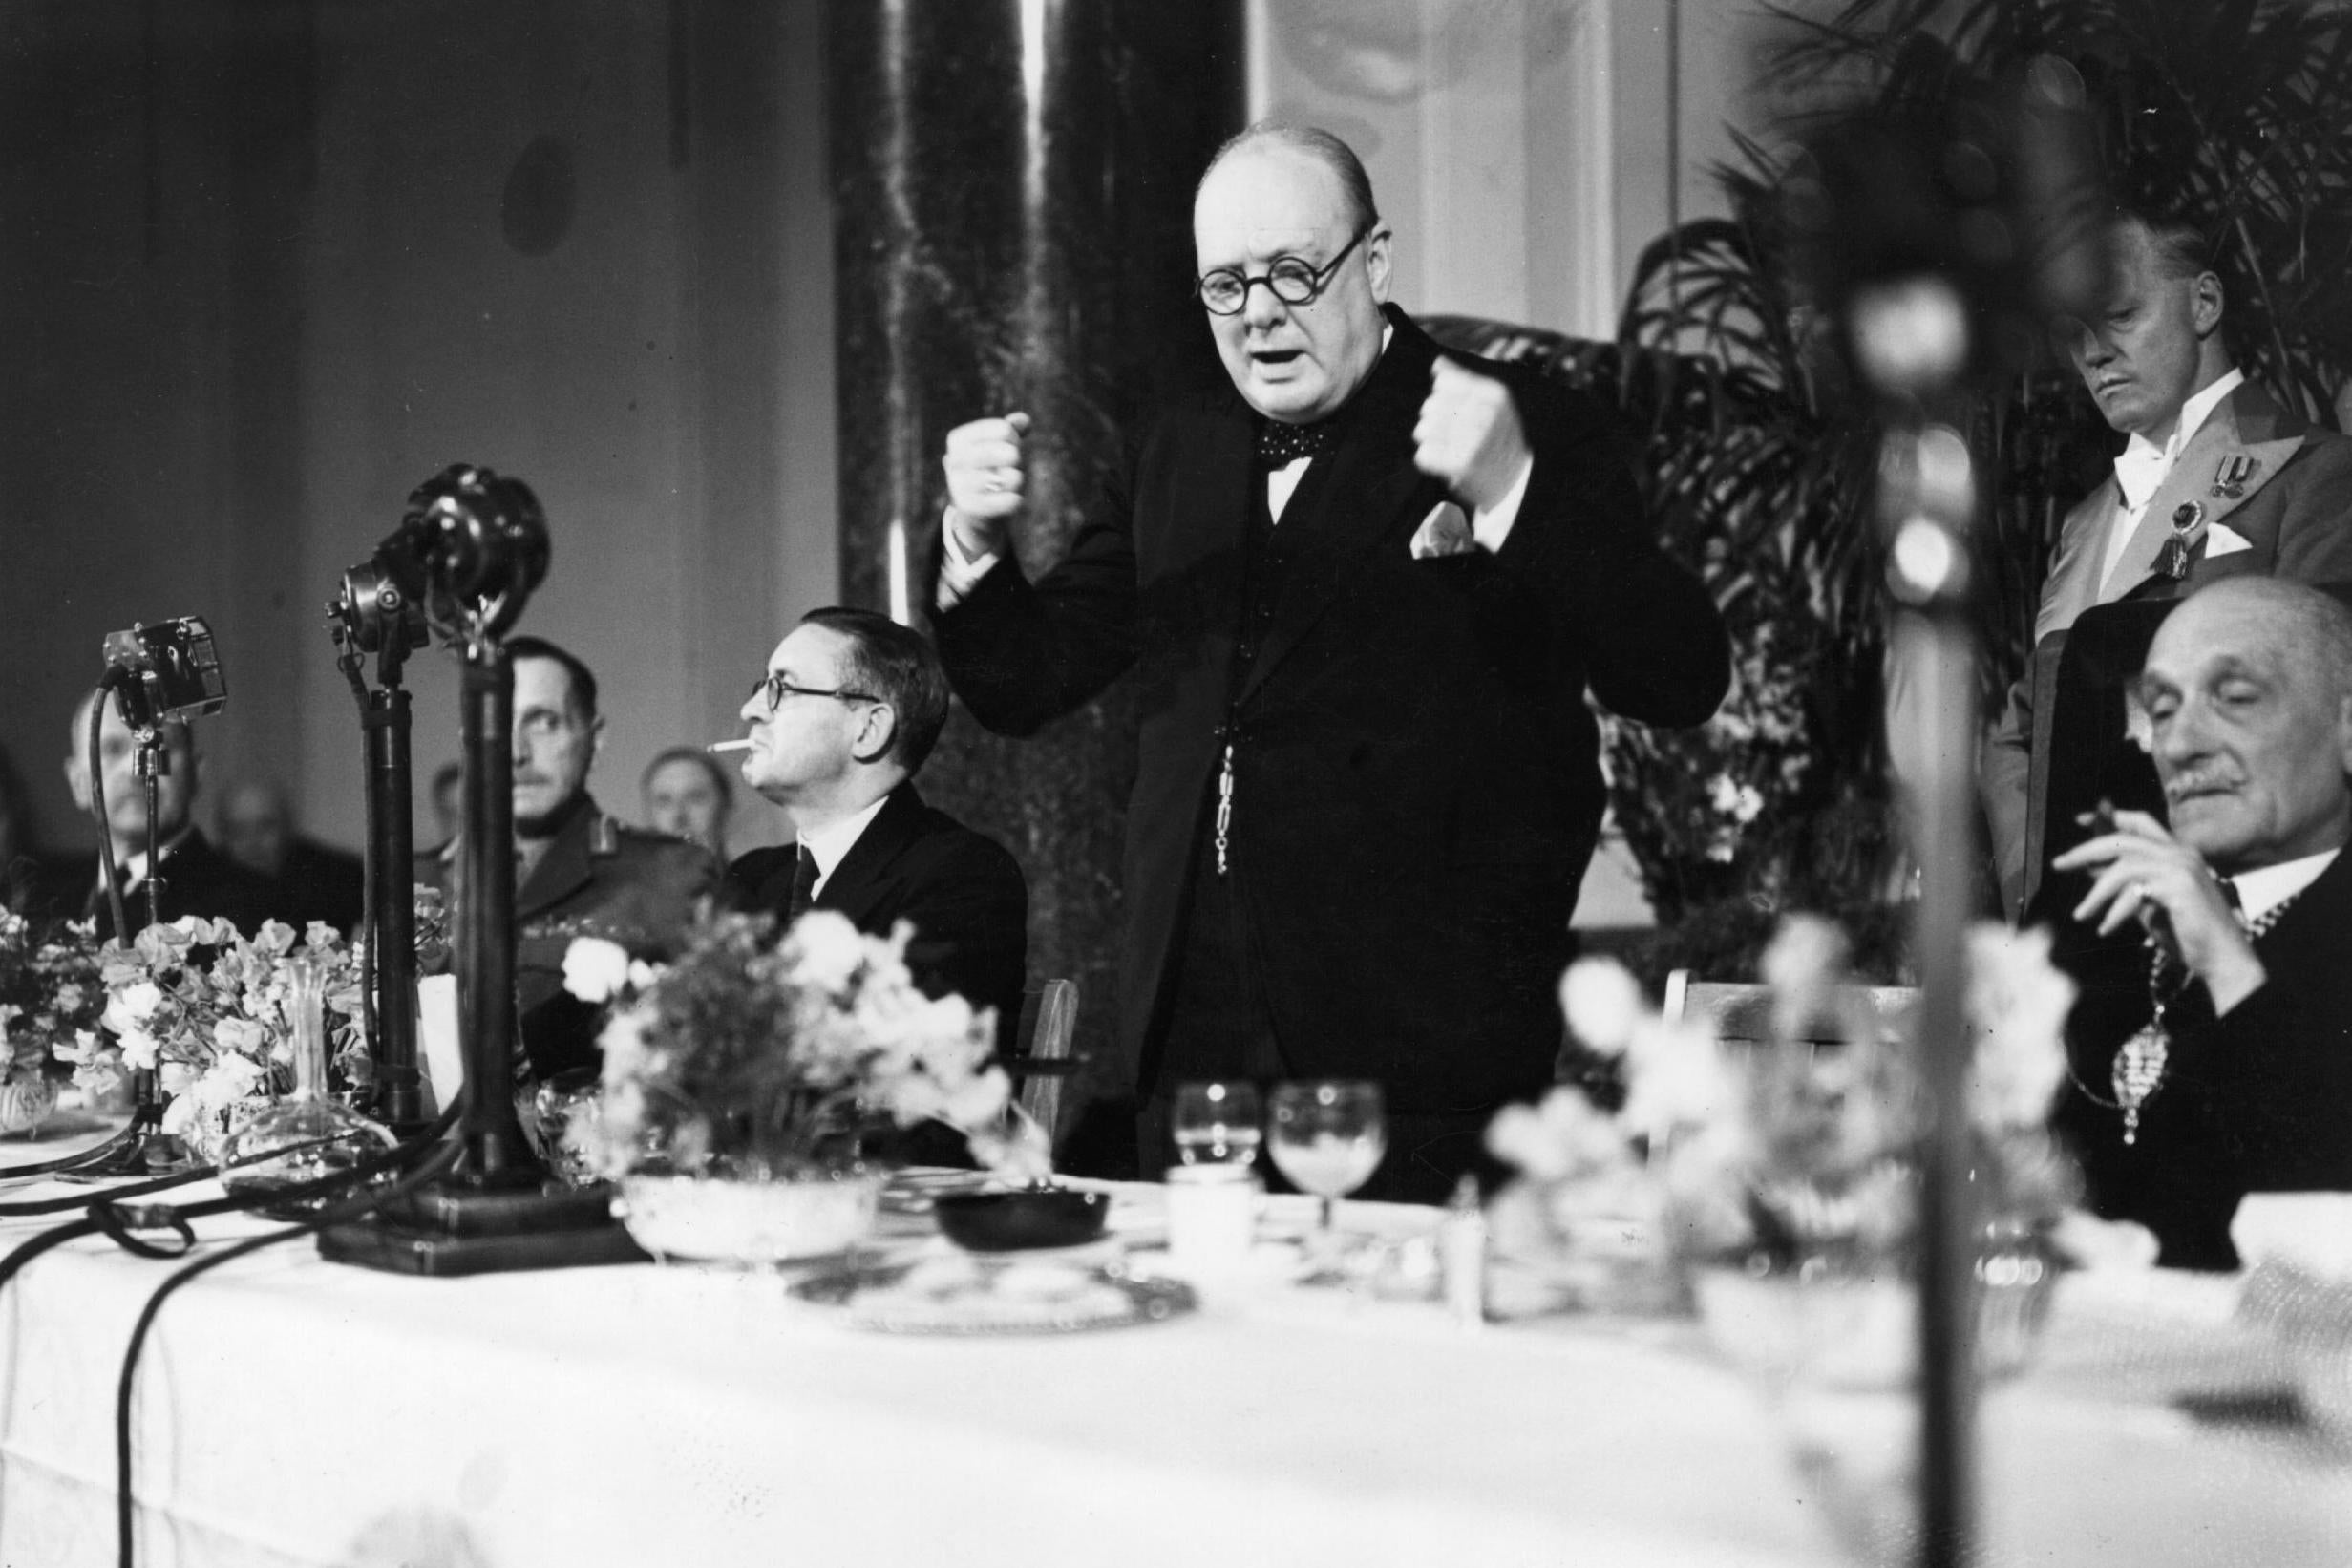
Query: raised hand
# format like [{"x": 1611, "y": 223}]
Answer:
[
  {"x": 984, "y": 475},
  {"x": 2141, "y": 872},
  {"x": 1469, "y": 436}
]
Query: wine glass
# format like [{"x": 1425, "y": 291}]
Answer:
[
  {"x": 1217, "y": 1124},
  {"x": 1329, "y": 1138}
]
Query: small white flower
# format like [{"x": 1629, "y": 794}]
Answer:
[
  {"x": 1602, "y": 1003},
  {"x": 2018, "y": 1003},
  {"x": 134, "y": 1004},
  {"x": 139, "y": 1048},
  {"x": 825, "y": 949},
  {"x": 594, "y": 969}
]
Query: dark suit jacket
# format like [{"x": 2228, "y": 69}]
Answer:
[
  {"x": 2294, "y": 514},
  {"x": 198, "y": 879},
  {"x": 2257, "y": 1101},
  {"x": 319, "y": 883},
  {"x": 962, "y": 892},
  {"x": 598, "y": 878},
  {"x": 1416, "y": 779}
]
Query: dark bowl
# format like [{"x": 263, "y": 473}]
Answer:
[{"x": 1010, "y": 1221}]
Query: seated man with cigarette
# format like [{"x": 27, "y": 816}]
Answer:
[
  {"x": 2220, "y": 1062},
  {"x": 847, "y": 711}
]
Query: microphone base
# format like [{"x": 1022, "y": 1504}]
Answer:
[{"x": 474, "y": 1225}]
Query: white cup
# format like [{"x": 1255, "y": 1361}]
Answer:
[{"x": 1212, "y": 1217}]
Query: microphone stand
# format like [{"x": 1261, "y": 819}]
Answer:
[
  {"x": 391, "y": 939},
  {"x": 495, "y": 1207},
  {"x": 142, "y": 1148}
]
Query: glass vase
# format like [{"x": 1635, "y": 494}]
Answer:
[{"x": 306, "y": 1139}]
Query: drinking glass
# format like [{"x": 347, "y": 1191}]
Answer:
[
  {"x": 1217, "y": 1124},
  {"x": 1328, "y": 1138}
]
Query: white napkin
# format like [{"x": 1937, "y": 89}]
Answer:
[
  {"x": 437, "y": 1036},
  {"x": 2313, "y": 1231}
]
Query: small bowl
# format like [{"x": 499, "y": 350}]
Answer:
[{"x": 1051, "y": 1216}]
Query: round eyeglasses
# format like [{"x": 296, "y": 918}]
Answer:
[
  {"x": 777, "y": 689},
  {"x": 1290, "y": 280}
]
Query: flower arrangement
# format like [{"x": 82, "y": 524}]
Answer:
[
  {"x": 207, "y": 1008},
  {"x": 1791, "y": 1155},
  {"x": 50, "y": 992},
  {"x": 753, "y": 1056}
]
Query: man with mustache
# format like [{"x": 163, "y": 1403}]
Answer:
[
  {"x": 2214, "y": 480},
  {"x": 1363, "y": 588},
  {"x": 2224, "y": 1065},
  {"x": 578, "y": 872}
]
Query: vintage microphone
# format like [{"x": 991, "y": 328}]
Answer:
[
  {"x": 476, "y": 543},
  {"x": 1943, "y": 247},
  {"x": 377, "y": 612},
  {"x": 159, "y": 674}
]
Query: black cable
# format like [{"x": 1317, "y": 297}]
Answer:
[{"x": 438, "y": 1160}]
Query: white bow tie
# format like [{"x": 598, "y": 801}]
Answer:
[{"x": 2140, "y": 468}]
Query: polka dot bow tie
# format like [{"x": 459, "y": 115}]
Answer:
[{"x": 1280, "y": 445}]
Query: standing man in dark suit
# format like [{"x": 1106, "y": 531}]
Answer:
[
  {"x": 198, "y": 878},
  {"x": 850, "y": 707},
  {"x": 2224, "y": 1065},
  {"x": 2214, "y": 480},
  {"x": 1364, "y": 590},
  {"x": 580, "y": 873}
]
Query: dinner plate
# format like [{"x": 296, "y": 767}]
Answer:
[{"x": 961, "y": 1295}]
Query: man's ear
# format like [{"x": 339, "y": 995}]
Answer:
[
  {"x": 2344, "y": 733},
  {"x": 877, "y": 730},
  {"x": 1376, "y": 261},
  {"x": 2208, "y": 305},
  {"x": 596, "y": 739}
]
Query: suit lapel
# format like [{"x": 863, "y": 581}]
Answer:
[
  {"x": 856, "y": 882},
  {"x": 2238, "y": 438},
  {"x": 1371, "y": 498},
  {"x": 2073, "y": 584}
]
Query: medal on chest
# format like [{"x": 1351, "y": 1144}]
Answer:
[{"x": 2174, "y": 560}]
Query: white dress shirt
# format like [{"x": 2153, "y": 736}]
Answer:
[
  {"x": 827, "y": 845},
  {"x": 2264, "y": 889},
  {"x": 2142, "y": 467}
]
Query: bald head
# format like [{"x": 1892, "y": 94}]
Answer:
[
  {"x": 126, "y": 794},
  {"x": 2248, "y": 689},
  {"x": 257, "y": 825},
  {"x": 1289, "y": 205}
]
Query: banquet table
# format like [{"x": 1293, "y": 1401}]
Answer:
[{"x": 292, "y": 1410}]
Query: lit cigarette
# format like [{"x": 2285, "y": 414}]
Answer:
[{"x": 729, "y": 746}]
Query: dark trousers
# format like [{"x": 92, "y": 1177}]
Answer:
[{"x": 1219, "y": 1026}]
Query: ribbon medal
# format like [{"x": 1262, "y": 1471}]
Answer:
[{"x": 2235, "y": 472}]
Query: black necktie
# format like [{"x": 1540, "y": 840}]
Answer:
[
  {"x": 804, "y": 886},
  {"x": 1280, "y": 445}
]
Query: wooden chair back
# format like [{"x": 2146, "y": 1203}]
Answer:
[{"x": 1048, "y": 1023}]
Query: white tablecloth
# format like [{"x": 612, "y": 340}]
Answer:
[{"x": 294, "y": 1411}]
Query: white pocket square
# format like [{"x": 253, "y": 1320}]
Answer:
[
  {"x": 1446, "y": 532},
  {"x": 2222, "y": 540}
]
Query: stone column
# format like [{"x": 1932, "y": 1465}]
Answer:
[{"x": 1012, "y": 189}]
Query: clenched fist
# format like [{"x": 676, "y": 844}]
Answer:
[
  {"x": 983, "y": 479},
  {"x": 1469, "y": 436}
]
